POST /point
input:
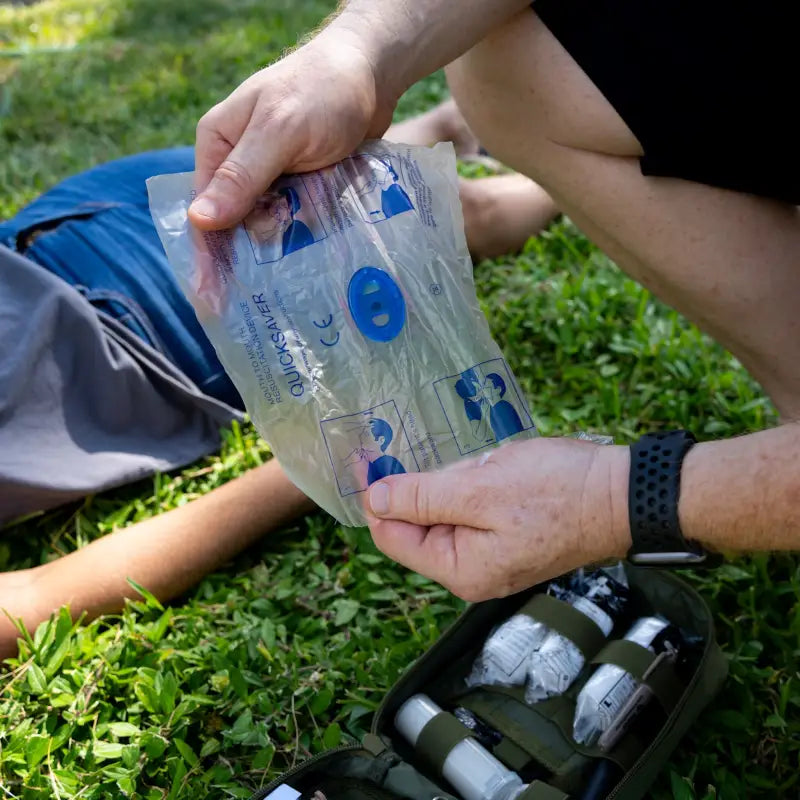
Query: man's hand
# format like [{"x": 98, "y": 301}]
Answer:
[
  {"x": 493, "y": 526},
  {"x": 308, "y": 110},
  {"x": 315, "y": 106}
]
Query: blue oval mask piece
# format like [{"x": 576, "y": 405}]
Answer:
[{"x": 376, "y": 303}]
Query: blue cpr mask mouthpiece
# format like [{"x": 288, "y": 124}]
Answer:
[{"x": 376, "y": 304}]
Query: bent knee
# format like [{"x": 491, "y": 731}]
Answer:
[
  {"x": 474, "y": 206},
  {"x": 519, "y": 90}
]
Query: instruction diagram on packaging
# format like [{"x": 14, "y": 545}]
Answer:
[
  {"x": 377, "y": 187},
  {"x": 367, "y": 446},
  {"x": 482, "y": 405},
  {"x": 283, "y": 222},
  {"x": 309, "y": 208}
]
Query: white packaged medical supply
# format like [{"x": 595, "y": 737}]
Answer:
[
  {"x": 344, "y": 311},
  {"x": 557, "y": 662},
  {"x": 503, "y": 661},
  {"x": 601, "y": 596},
  {"x": 610, "y": 687}
]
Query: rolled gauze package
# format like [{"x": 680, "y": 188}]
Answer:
[
  {"x": 503, "y": 660},
  {"x": 601, "y": 595},
  {"x": 344, "y": 310}
]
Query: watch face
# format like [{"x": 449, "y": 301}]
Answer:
[{"x": 678, "y": 559}]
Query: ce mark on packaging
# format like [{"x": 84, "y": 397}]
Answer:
[{"x": 322, "y": 325}]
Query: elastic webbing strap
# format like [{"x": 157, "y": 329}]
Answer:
[
  {"x": 438, "y": 737},
  {"x": 539, "y": 790},
  {"x": 636, "y": 660},
  {"x": 566, "y": 620}
]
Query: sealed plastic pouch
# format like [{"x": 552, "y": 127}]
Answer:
[
  {"x": 600, "y": 595},
  {"x": 605, "y": 694},
  {"x": 344, "y": 310},
  {"x": 503, "y": 660}
]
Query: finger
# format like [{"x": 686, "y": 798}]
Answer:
[
  {"x": 217, "y": 133},
  {"x": 428, "y": 551},
  {"x": 211, "y": 149},
  {"x": 458, "y": 558},
  {"x": 432, "y": 498},
  {"x": 240, "y": 179}
]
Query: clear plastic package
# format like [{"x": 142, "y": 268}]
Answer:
[
  {"x": 605, "y": 694},
  {"x": 344, "y": 310},
  {"x": 600, "y": 595},
  {"x": 503, "y": 660}
]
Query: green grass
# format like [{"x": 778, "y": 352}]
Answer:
[{"x": 287, "y": 651}]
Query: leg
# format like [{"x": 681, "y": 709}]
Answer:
[
  {"x": 94, "y": 231},
  {"x": 443, "y": 123},
  {"x": 501, "y": 212},
  {"x": 728, "y": 261}
]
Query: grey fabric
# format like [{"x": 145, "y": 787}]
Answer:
[{"x": 85, "y": 405}]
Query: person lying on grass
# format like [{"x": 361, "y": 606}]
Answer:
[{"x": 693, "y": 198}]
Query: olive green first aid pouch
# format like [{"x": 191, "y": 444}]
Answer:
[{"x": 537, "y": 740}]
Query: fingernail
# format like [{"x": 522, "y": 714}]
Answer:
[
  {"x": 379, "y": 499},
  {"x": 204, "y": 207}
]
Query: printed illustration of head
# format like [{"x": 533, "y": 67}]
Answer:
[
  {"x": 292, "y": 199},
  {"x": 381, "y": 432},
  {"x": 364, "y": 179},
  {"x": 468, "y": 385},
  {"x": 384, "y": 172},
  {"x": 371, "y": 173},
  {"x": 272, "y": 215},
  {"x": 495, "y": 386}
]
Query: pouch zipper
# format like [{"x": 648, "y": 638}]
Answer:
[
  {"x": 676, "y": 711},
  {"x": 264, "y": 791}
]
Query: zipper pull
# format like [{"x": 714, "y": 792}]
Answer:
[{"x": 374, "y": 744}]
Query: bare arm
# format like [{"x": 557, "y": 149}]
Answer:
[
  {"x": 539, "y": 508},
  {"x": 166, "y": 554},
  {"x": 744, "y": 493},
  {"x": 407, "y": 40}
]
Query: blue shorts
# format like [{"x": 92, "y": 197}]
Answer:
[{"x": 95, "y": 232}]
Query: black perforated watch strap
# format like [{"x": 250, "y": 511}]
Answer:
[{"x": 653, "y": 492}]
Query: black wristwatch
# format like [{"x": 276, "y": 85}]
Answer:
[{"x": 653, "y": 491}]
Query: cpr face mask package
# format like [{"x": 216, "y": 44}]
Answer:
[{"x": 344, "y": 310}]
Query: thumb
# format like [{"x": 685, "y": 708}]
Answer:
[
  {"x": 432, "y": 498},
  {"x": 248, "y": 171}
]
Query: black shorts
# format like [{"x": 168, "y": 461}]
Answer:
[{"x": 706, "y": 86}]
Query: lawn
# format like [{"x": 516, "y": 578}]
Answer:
[{"x": 288, "y": 650}]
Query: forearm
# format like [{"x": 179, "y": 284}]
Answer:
[
  {"x": 406, "y": 40},
  {"x": 166, "y": 554},
  {"x": 743, "y": 494}
]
